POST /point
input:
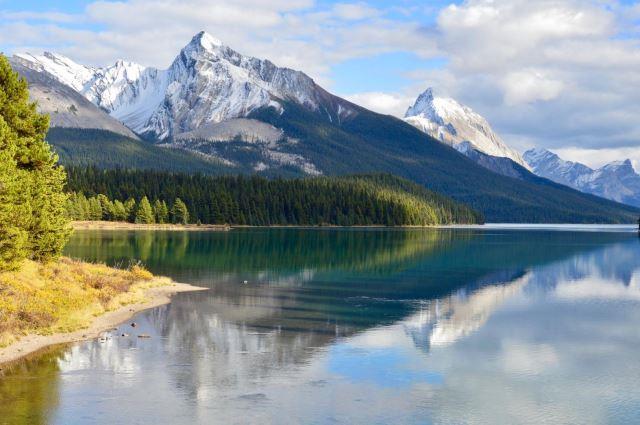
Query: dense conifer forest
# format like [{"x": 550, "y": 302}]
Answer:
[
  {"x": 153, "y": 196},
  {"x": 33, "y": 223}
]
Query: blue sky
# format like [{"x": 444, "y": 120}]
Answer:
[{"x": 560, "y": 74}]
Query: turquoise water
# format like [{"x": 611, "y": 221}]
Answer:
[{"x": 448, "y": 326}]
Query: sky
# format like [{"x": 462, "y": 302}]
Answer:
[{"x": 557, "y": 74}]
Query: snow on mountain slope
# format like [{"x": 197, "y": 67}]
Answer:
[
  {"x": 65, "y": 106},
  {"x": 60, "y": 67},
  {"x": 452, "y": 123},
  {"x": 617, "y": 181},
  {"x": 206, "y": 83},
  {"x": 497, "y": 164},
  {"x": 129, "y": 92}
]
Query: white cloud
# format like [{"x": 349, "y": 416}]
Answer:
[
  {"x": 596, "y": 158},
  {"x": 384, "y": 103},
  {"x": 354, "y": 11},
  {"x": 555, "y": 73},
  {"x": 297, "y": 33},
  {"x": 529, "y": 86},
  {"x": 559, "y": 74}
]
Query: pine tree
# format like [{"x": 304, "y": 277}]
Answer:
[
  {"x": 161, "y": 211},
  {"x": 14, "y": 210},
  {"x": 144, "y": 214},
  {"x": 179, "y": 212},
  {"x": 119, "y": 211},
  {"x": 107, "y": 207},
  {"x": 33, "y": 218},
  {"x": 130, "y": 210},
  {"x": 95, "y": 209}
]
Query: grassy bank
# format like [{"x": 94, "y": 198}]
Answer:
[{"x": 66, "y": 295}]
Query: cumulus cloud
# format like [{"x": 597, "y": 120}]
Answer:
[
  {"x": 295, "y": 33},
  {"x": 556, "y": 73},
  {"x": 529, "y": 86},
  {"x": 354, "y": 11},
  {"x": 559, "y": 74},
  {"x": 596, "y": 158},
  {"x": 384, "y": 103}
]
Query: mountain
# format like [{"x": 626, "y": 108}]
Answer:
[
  {"x": 65, "y": 106},
  {"x": 451, "y": 123},
  {"x": 617, "y": 181},
  {"x": 247, "y": 115},
  {"x": 497, "y": 164},
  {"x": 207, "y": 83},
  {"x": 85, "y": 147}
]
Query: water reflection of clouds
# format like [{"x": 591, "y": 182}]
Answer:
[
  {"x": 388, "y": 367},
  {"x": 600, "y": 289},
  {"x": 542, "y": 343}
]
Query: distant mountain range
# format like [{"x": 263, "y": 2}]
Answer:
[
  {"x": 617, "y": 181},
  {"x": 452, "y": 123},
  {"x": 228, "y": 113},
  {"x": 65, "y": 106},
  {"x": 206, "y": 84},
  {"x": 459, "y": 126}
]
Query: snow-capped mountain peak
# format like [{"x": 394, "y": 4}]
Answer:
[
  {"x": 207, "y": 83},
  {"x": 452, "y": 123},
  {"x": 423, "y": 106},
  {"x": 617, "y": 180},
  {"x": 206, "y": 41},
  {"x": 624, "y": 166},
  {"x": 58, "y": 66}
]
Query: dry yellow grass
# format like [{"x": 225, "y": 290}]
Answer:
[{"x": 64, "y": 296}]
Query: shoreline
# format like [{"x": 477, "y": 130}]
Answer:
[
  {"x": 155, "y": 297},
  {"x": 114, "y": 225},
  {"x": 121, "y": 225}
]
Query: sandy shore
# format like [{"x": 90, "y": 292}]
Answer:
[
  {"x": 118, "y": 225},
  {"x": 155, "y": 297}
]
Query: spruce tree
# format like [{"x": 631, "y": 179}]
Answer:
[
  {"x": 119, "y": 211},
  {"x": 33, "y": 218},
  {"x": 130, "y": 209},
  {"x": 144, "y": 214},
  {"x": 179, "y": 212},
  {"x": 161, "y": 211},
  {"x": 14, "y": 210}
]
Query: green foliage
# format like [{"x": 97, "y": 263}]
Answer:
[
  {"x": 14, "y": 210},
  {"x": 161, "y": 211},
  {"x": 362, "y": 143},
  {"x": 130, "y": 209},
  {"x": 119, "y": 211},
  {"x": 144, "y": 213},
  {"x": 102, "y": 148},
  {"x": 33, "y": 219},
  {"x": 366, "y": 142},
  {"x": 354, "y": 200},
  {"x": 179, "y": 212}
]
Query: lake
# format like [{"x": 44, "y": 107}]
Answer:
[{"x": 492, "y": 325}]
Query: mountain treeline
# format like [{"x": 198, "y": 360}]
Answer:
[
  {"x": 82, "y": 147},
  {"x": 100, "y": 207},
  {"x": 33, "y": 223},
  {"x": 377, "y": 199}
]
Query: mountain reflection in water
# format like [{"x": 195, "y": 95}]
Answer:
[{"x": 417, "y": 325}]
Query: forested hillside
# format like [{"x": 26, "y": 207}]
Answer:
[
  {"x": 368, "y": 142},
  {"x": 93, "y": 147},
  {"x": 243, "y": 200}
]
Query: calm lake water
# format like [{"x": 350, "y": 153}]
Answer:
[{"x": 448, "y": 326}]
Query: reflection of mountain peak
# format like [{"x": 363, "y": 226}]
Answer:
[{"x": 444, "y": 321}]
